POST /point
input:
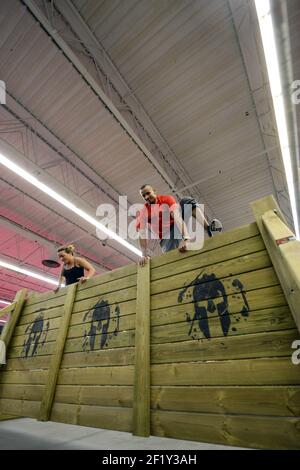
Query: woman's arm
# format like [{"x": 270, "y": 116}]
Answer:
[
  {"x": 87, "y": 267},
  {"x": 61, "y": 279}
]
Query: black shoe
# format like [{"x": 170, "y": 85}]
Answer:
[{"x": 214, "y": 227}]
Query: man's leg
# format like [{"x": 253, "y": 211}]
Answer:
[
  {"x": 214, "y": 226},
  {"x": 173, "y": 240}
]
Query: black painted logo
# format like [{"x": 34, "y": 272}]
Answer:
[
  {"x": 207, "y": 288},
  {"x": 36, "y": 334},
  {"x": 101, "y": 319}
]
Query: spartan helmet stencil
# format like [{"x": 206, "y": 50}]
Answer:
[
  {"x": 100, "y": 322},
  {"x": 36, "y": 336},
  {"x": 209, "y": 296}
]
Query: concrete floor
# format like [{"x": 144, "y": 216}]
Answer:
[{"x": 26, "y": 433}]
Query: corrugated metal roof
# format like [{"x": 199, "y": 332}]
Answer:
[{"x": 183, "y": 62}]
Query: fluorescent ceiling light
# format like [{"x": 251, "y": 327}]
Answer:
[
  {"x": 27, "y": 272},
  {"x": 263, "y": 9},
  {"x": 5, "y": 302},
  {"x": 50, "y": 192}
]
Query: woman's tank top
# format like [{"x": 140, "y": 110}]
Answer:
[{"x": 72, "y": 275}]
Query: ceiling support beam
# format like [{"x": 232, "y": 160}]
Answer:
[
  {"x": 112, "y": 108},
  {"x": 16, "y": 109},
  {"x": 119, "y": 99},
  {"x": 67, "y": 220},
  {"x": 249, "y": 41},
  {"x": 283, "y": 42},
  {"x": 17, "y": 157},
  {"x": 41, "y": 240}
]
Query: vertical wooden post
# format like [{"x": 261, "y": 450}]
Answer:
[
  {"x": 50, "y": 385},
  {"x": 141, "y": 395},
  {"x": 14, "y": 316},
  {"x": 14, "y": 311},
  {"x": 283, "y": 249}
]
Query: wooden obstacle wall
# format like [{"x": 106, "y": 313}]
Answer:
[
  {"x": 219, "y": 338},
  {"x": 234, "y": 383},
  {"x": 95, "y": 377}
]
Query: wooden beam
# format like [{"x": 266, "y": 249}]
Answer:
[
  {"x": 10, "y": 325},
  {"x": 7, "y": 309},
  {"x": 141, "y": 396},
  {"x": 50, "y": 385},
  {"x": 260, "y": 371},
  {"x": 7, "y": 417},
  {"x": 283, "y": 248},
  {"x": 257, "y": 432}
]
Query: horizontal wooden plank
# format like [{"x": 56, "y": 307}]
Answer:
[
  {"x": 212, "y": 289},
  {"x": 104, "y": 395},
  {"x": 222, "y": 240},
  {"x": 48, "y": 324},
  {"x": 259, "y": 299},
  {"x": 233, "y": 267},
  {"x": 273, "y": 401},
  {"x": 123, "y": 323},
  {"x": 107, "y": 288},
  {"x": 38, "y": 298},
  {"x": 100, "y": 341},
  {"x": 5, "y": 417},
  {"x": 29, "y": 409},
  {"x": 31, "y": 377},
  {"x": 265, "y": 371},
  {"x": 42, "y": 350},
  {"x": 42, "y": 307},
  {"x": 122, "y": 295},
  {"x": 51, "y": 314},
  {"x": 22, "y": 339},
  {"x": 270, "y": 319},
  {"x": 80, "y": 304},
  {"x": 116, "y": 274},
  {"x": 97, "y": 376},
  {"x": 28, "y": 363},
  {"x": 259, "y": 432},
  {"x": 202, "y": 261},
  {"x": 117, "y": 419},
  {"x": 102, "y": 357},
  {"x": 126, "y": 322},
  {"x": 21, "y": 392},
  {"x": 83, "y": 343},
  {"x": 126, "y": 307},
  {"x": 118, "y": 356},
  {"x": 270, "y": 344}
]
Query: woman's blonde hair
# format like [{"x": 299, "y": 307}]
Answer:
[{"x": 70, "y": 249}]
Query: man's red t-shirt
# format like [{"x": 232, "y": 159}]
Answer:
[{"x": 158, "y": 215}]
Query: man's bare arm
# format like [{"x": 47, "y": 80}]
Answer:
[{"x": 144, "y": 247}]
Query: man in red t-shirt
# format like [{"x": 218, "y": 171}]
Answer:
[
  {"x": 165, "y": 219},
  {"x": 161, "y": 213}
]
